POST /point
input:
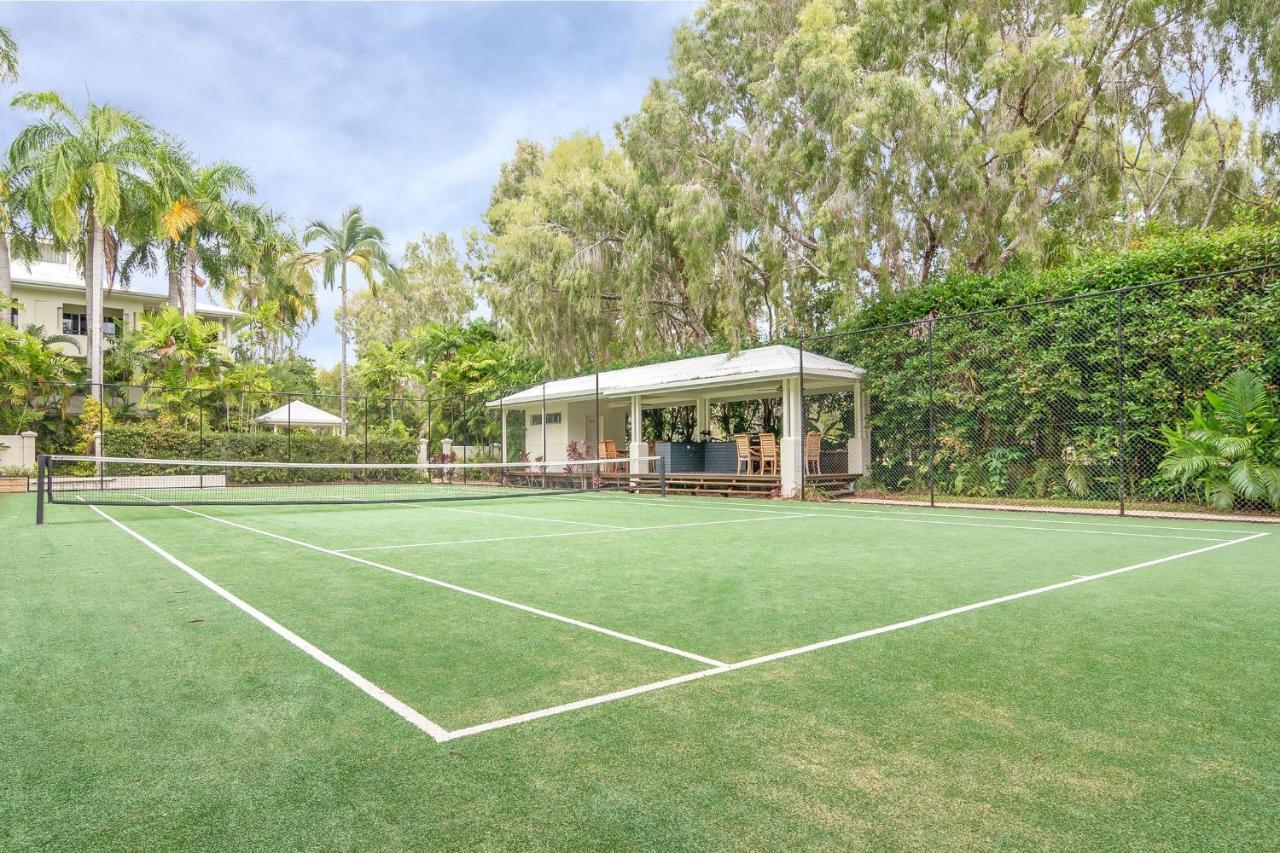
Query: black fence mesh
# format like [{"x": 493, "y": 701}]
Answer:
[{"x": 1061, "y": 403}]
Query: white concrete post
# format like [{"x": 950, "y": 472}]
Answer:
[
  {"x": 701, "y": 417},
  {"x": 792, "y": 445},
  {"x": 503, "y": 414},
  {"x": 637, "y": 447},
  {"x": 446, "y": 447},
  {"x": 858, "y": 450},
  {"x": 424, "y": 451},
  {"x": 28, "y": 449}
]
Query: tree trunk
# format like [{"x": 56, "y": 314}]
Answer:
[
  {"x": 175, "y": 281},
  {"x": 189, "y": 282},
  {"x": 94, "y": 275},
  {"x": 6, "y": 280},
  {"x": 342, "y": 335}
]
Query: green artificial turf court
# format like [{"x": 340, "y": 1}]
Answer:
[{"x": 595, "y": 670}]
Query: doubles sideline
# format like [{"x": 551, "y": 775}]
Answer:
[{"x": 919, "y": 518}]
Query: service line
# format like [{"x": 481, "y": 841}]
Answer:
[{"x": 847, "y": 638}]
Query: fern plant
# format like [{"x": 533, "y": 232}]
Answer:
[{"x": 1229, "y": 449}]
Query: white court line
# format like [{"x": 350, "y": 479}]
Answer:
[
  {"x": 858, "y": 508},
  {"x": 848, "y": 638},
  {"x": 570, "y": 533},
  {"x": 462, "y": 589},
  {"x": 520, "y": 517},
  {"x": 858, "y": 515},
  {"x": 437, "y": 732}
]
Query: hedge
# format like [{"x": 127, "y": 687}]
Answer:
[
  {"x": 150, "y": 441},
  {"x": 1026, "y": 399}
]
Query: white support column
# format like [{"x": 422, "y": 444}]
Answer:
[
  {"x": 503, "y": 414},
  {"x": 637, "y": 448},
  {"x": 792, "y": 443},
  {"x": 701, "y": 417},
  {"x": 858, "y": 447}
]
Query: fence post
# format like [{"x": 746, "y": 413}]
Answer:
[
  {"x": 804, "y": 425},
  {"x": 933, "y": 435},
  {"x": 288, "y": 428},
  {"x": 42, "y": 471},
  {"x": 662, "y": 476},
  {"x": 544, "y": 435},
  {"x": 1120, "y": 416},
  {"x": 366, "y": 429},
  {"x": 200, "y": 445},
  {"x": 429, "y": 439},
  {"x": 102, "y": 438},
  {"x": 597, "y": 438}
]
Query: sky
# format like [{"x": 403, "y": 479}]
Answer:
[{"x": 406, "y": 108}]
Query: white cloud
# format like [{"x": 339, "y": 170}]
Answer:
[{"x": 406, "y": 108}]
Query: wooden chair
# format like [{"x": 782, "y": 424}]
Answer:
[
  {"x": 813, "y": 453},
  {"x": 747, "y": 455},
  {"x": 769, "y": 455},
  {"x": 609, "y": 450}
]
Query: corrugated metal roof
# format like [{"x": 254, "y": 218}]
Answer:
[{"x": 723, "y": 369}]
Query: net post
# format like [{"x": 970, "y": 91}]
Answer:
[
  {"x": 662, "y": 476},
  {"x": 1120, "y": 419},
  {"x": 42, "y": 472},
  {"x": 933, "y": 436}
]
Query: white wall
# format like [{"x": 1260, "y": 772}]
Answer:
[{"x": 19, "y": 451}]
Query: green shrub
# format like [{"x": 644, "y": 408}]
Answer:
[
  {"x": 150, "y": 440},
  {"x": 1026, "y": 400}
]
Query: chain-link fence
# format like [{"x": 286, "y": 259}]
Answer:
[{"x": 1149, "y": 397}]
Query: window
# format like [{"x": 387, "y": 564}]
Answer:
[
  {"x": 552, "y": 418},
  {"x": 73, "y": 322},
  {"x": 46, "y": 253},
  {"x": 535, "y": 420},
  {"x": 13, "y": 316},
  {"x": 112, "y": 326}
]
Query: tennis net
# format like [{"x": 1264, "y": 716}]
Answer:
[{"x": 144, "y": 482}]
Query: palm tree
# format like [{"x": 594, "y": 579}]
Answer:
[
  {"x": 204, "y": 218},
  {"x": 77, "y": 169},
  {"x": 268, "y": 273},
  {"x": 356, "y": 242},
  {"x": 8, "y": 57},
  {"x": 8, "y": 73}
]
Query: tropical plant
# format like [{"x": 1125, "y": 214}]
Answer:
[
  {"x": 77, "y": 168},
  {"x": 1229, "y": 450},
  {"x": 175, "y": 349},
  {"x": 37, "y": 378},
  {"x": 351, "y": 242}
]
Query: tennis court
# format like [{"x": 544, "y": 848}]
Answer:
[{"x": 464, "y": 616}]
